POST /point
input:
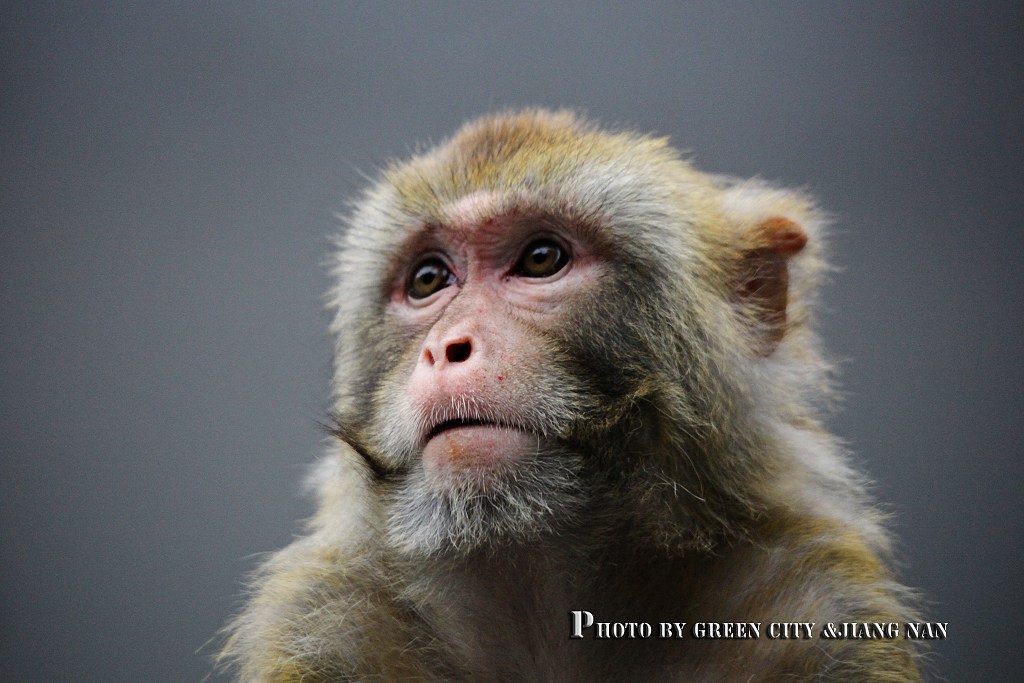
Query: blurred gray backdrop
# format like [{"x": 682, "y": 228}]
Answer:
[{"x": 169, "y": 173}]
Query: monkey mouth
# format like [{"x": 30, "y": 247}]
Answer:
[
  {"x": 471, "y": 446},
  {"x": 459, "y": 422}
]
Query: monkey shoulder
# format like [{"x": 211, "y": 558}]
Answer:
[{"x": 317, "y": 614}]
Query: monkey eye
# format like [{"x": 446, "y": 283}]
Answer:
[
  {"x": 542, "y": 258},
  {"x": 431, "y": 275}
]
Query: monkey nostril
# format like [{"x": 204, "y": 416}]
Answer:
[{"x": 458, "y": 352}]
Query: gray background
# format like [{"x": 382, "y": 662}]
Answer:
[{"x": 169, "y": 172}]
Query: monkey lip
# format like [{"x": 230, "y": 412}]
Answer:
[{"x": 473, "y": 444}]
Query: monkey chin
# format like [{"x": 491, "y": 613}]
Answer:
[
  {"x": 485, "y": 485},
  {"x": 471, "y": 452}
]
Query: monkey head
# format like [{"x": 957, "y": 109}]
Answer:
[{"x": 538, "y": 316}]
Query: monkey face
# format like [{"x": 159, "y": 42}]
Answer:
[
  {"x": 496, "y": 364},
  {"x": 486, "y": 399},
  {"x": 490, "y": 289}
]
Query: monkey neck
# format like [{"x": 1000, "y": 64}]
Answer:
[{"x": 519, "y": 596}]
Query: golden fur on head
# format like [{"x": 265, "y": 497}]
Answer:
[{"x": 674, "y": 390}]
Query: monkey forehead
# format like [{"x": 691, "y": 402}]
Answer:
[
  {"x": 473, "y": 209},
  {"x": 478, "y": 218},
  {"x": 545, "y": 158}
]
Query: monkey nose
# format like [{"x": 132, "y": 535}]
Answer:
[
  {"x": 456, "y": 352},
  {"x": 451, "y": 351}
]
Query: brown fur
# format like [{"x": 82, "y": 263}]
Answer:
[{"x": 682, "y": 473}]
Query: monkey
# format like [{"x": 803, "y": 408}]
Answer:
[{"x": 576, "y": 381}]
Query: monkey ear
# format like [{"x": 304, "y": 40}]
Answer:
[{"x": 762, "y": 284}]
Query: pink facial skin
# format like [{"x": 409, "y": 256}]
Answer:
[{"x": 478, "y": 362}]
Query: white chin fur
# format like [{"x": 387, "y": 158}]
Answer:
[{"x": 517, "y": 500}]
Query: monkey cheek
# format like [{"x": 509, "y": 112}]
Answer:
[{"x": 475, "y": 450}]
